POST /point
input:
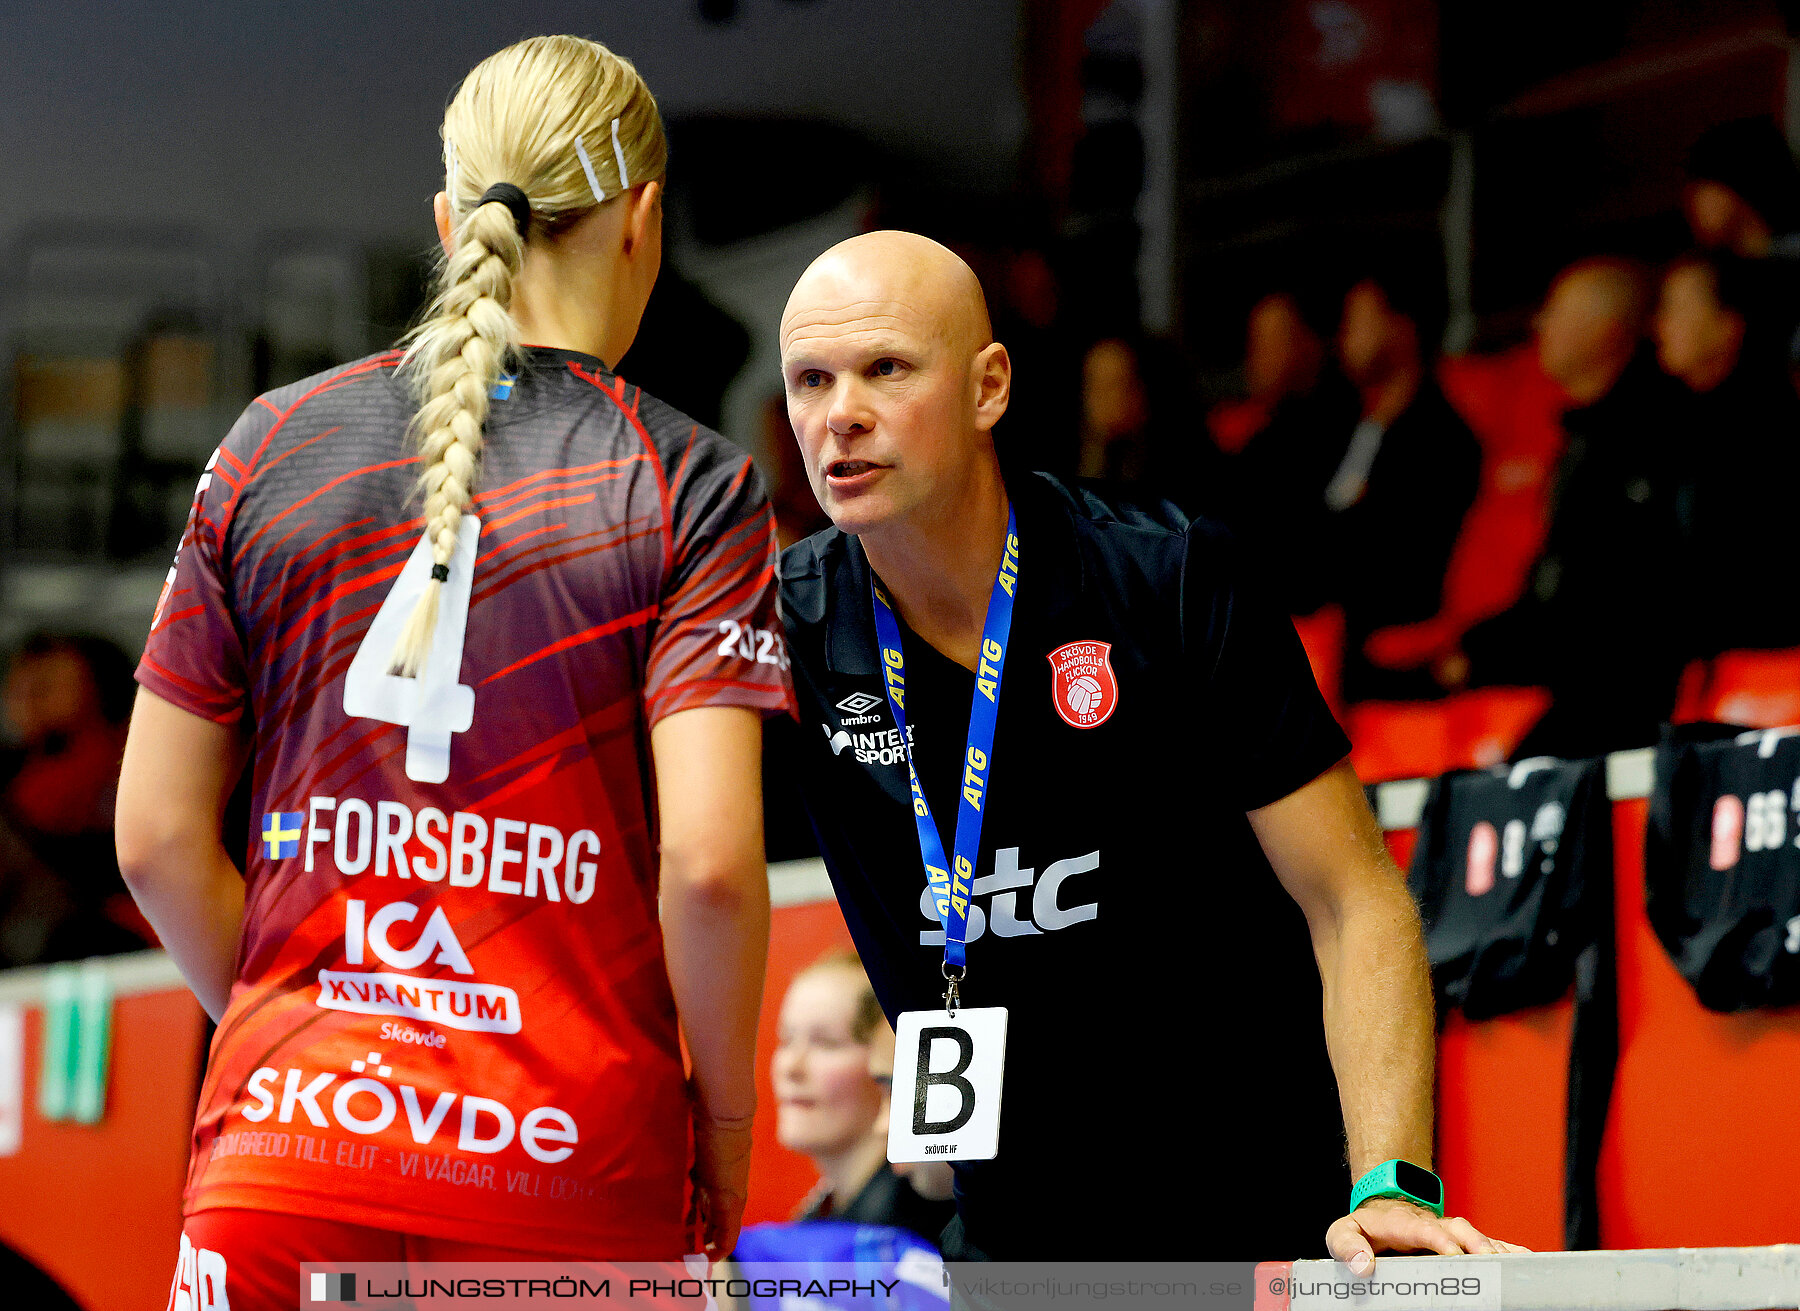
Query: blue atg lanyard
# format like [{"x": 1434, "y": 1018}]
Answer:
[{"x": 951, "y": 881}]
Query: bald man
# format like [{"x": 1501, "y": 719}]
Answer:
[
  {"x": 1111, "y": 743},
  {"x": 1586, "y": 334},
  {"x": 1597, "y": 617},
  {"x": 1591, "y": 324}
]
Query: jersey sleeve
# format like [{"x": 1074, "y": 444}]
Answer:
[
  {"x": 718, "y": 639},
  {"x": 1267, "y": 726},
  {"x": 194, "y": 657}
]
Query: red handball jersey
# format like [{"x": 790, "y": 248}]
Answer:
[{"x": 452, "y": 1016}]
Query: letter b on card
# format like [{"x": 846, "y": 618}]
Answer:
[{"x": 947, "y": 1078}]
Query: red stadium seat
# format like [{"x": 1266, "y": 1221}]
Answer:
[
  {"x": 1502, "y": 1097},
  {"x": 1398, "y": 739},
  {"x": 1758, "y": 689},
  {"x": 1421, "y": 739},
  {"x": 1322, "y": 634}
]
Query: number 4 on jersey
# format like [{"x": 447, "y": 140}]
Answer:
[{"x": 434, "y": 705}]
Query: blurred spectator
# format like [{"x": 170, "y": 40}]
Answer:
[
  {"x": 1592, "y": 325},
  {"x": 1284, "y": 357},
  {"x": 1126, "y": 436},
  {"x": 1740, "y": 435},
  {"x": 1701, "y": 323},
  {"x": 1115, "y": 414},
  {"x": 66, "y": 700},
  {"x": 1283, "y": 439},
  {"x": 1585, "y": 335},
  {"x": 831, "y": 1108},
  {"x": 1743, "y": 199},
  {"x": 1596, "y": 624},
  {"x": 1397, "y": 498},
  {"x": 1743, "y": 191}
]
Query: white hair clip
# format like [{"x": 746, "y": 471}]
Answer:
[
  {"x": 450, "y": 167},
  {"x": 619, "y": 156},
  {"x": 587, "y": 166}
]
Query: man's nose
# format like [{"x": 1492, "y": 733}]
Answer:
[{"x": 849, "y": 412}]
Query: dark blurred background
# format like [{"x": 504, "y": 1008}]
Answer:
[{"x": 1476, "y": 322}]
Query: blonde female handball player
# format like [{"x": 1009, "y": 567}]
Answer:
[{"x": 493, "y": 631}]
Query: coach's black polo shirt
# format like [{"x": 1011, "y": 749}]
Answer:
[{"x": 1167, "y": 1092}]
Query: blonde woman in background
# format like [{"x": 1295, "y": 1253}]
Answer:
[
  {"x": 493, "y": 631},
  {"x": 833, "y": 1065}
]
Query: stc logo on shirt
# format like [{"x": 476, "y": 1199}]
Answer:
[
  {"x": 458, "y": 1003},
  {"x": 1021, "y": 902}
]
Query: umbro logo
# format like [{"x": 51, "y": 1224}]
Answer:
[
  {"x": 859, "y": 709},
  {"x": 858, "y": 703}
]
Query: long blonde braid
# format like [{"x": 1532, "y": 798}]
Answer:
[
  {"x": 466, "y": 341},
  {"x": 518, "y": 118}
]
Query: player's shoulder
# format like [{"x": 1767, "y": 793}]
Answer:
[
  {"x": 695, "y": 458},
  {"x": 369, "y": 385},
  {"x": 373, "y": 377}
]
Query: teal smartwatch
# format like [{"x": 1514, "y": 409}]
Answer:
[{"x": 1402, "y": 1179}]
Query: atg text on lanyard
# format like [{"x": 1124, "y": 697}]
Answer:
[
  {"x": 951, "y": 880},
  {"x": 952, "y": 1112}
]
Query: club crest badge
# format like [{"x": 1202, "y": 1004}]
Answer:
[{"x": 1082, "y": 684}]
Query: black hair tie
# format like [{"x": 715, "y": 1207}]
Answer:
[
  {"x": 441, "y": 572},
  {"x": 514, "y": 199}
]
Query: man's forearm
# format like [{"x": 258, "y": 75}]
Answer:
[
  {"x": 1378, "y": 1027},
  {"x": 194, "y": 899}
]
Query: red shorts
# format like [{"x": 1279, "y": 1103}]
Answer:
[{"x": 238, "y": 1260}]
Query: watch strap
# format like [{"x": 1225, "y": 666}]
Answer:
[{"x": 1404, "y": 1180}]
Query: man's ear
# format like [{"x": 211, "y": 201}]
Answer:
[
  {"x": 440, "y": 210},
  {"x": 993, "y": 385},
  {"x": 645, "y": 204}
]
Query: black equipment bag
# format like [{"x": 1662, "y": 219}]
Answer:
[
  {"x": 1501, "y": 875},
  {"x": 1513, "y": 873},
  {"x": 1722, "y": 862}
]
